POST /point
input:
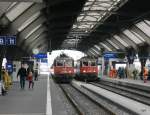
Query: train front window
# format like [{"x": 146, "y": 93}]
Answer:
[
  {"x": 84, "y": 63},
  {"x": 68, "y": 63},
  {"x": 93, "y": 63},
  {"x": 60, "y": 62}
]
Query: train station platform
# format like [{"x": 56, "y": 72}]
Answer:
[
  {"x": 27, "y": 101},
  {"x": 126, "y": 81},
  {"x": 133, "y": 106}
]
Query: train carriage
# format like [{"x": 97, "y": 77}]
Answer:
[
  {"x": 63, "y": 69},
  {"x": 87, "y": 69}
]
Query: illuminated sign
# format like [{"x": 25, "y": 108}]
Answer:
[
  {"x": 112, "y": 55},
  {"x": 9, "y": 67},
  {"x": 7, "y": 40},
  {"x": 40, "y": 55}
]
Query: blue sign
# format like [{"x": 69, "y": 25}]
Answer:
[
  {"x": 7, "y": 40},
  {"x": 110, "y": 55},
  {"x": 40, "y": 55},
  {"x": 11, "y": 40},
  {"x": 2, "y": 40},
  {"x": 9, "y": 67}
]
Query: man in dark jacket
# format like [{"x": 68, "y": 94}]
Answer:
[{"x": 23, "y": 74}]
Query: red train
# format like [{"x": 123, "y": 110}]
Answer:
[
  {"x": 63, "y": 69},
  {"x": 87, "y": 69}
]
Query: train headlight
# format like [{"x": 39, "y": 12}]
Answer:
[
  {"x": 69, "y": 71},
  {"x": 84, "y": 71},
  {"x": 94, "y": 71}
]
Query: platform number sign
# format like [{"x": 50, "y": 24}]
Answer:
[
  {"x": 2, "y": 40},
  {"x": 11, "y": 40},
  {"x": 7, "y": 40}
]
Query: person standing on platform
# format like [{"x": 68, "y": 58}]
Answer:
[
  {"x": 135, "y": 73},
  {"x": 145, "y": 74},
  {"x": 119, "y": 72},
  {"x": 23, "y": 74}
]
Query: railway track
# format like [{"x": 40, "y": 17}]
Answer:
[
  {"x": 135, "y": 94},
  {"x": 83, "y": 104}
]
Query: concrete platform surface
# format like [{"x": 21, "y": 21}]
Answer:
[
  {"x": 27, "y": 101},
  {"x": 130, "y": 104},
  {"x": 127, "y": 80}
]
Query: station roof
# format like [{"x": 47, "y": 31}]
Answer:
[{"x": 91, "y": 26}]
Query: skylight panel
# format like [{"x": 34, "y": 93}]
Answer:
[
  {"x": 92, "y": 52},
  {"x": 120, "y": 40},
  {"x": 95, "y": 51},
  {"x": 131, "y": 36},
  {"x": 140, "y": 37},
  {"x": 105, "y": 46},
  {"x": 113, "y": 44},
  {"x": 33, "y": 30},
  {"x": 86, "y": 8},
  {"x": 70, "y": 43},
  {"x": 29, "y": 21},
  {"x": 94, "y": 11},
  {"x": 13, "y": 13},
  {"x": 96, "y": 46},
  {"x": 148, "y": 22},
  {"x": 144, "y": 27},
  {"x": 11, "y": 6},
  {"x": 90, "y": 18}
]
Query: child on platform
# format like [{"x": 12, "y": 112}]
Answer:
[{"x": 30, "y": 79}]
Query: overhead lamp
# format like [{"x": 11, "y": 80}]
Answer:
[{"x": 35, "y": 51}]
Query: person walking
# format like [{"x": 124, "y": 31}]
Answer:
[
  {"x": 22, "y": 73},
  {"x": 30, "y": 79}
]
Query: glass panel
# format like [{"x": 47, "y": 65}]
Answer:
[
  {"x": 29, "y": 21},
  {"x": 33, "y": 30},
  {"x": 95, "y": 10},
  {"x": 90, "y": 18},
  {"x": 131, "y": 36},
  {"x": 11, "y": 6},
  {"x": 113, "y": 44},
  {"x": 18, "y": 10},
  {"x": 147, "y": 21},
  {"x": 93, "y": 63},
  {"x": 85, "y": 63},
  {"x": 95, "y": 51},
  {"x": 120, "y": 40},
  {"x": 60, "y": 63},
  {"x": 38, "y": 35},
  {"x": 97, "y": 47},
  {"x": 121, "y": 46},
  {"x": 68, "y": 63},
  {"x": 144, "y": 27},
  {"x": 140, "y": 37},
  {"x": 92, "y": 52},
  {"x": 106, "y": 47}
]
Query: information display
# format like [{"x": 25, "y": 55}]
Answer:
[{"x": 7, "y": 40}]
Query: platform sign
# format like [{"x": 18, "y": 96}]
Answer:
[
  {"x": 9, "y": 67},
  {"x": 110, "y": 55},
  {"x": 2, "y": 40},
  {"x": 7, "y": 40},
  {"x": 40, "y": 55},
  {"x": 11, "y": 40},
  {"x": 113, "y": 55}
]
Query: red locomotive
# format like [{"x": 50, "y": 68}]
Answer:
[
  {"x": 63, "y": 68},
  {"x": 87, "y": 69}
]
